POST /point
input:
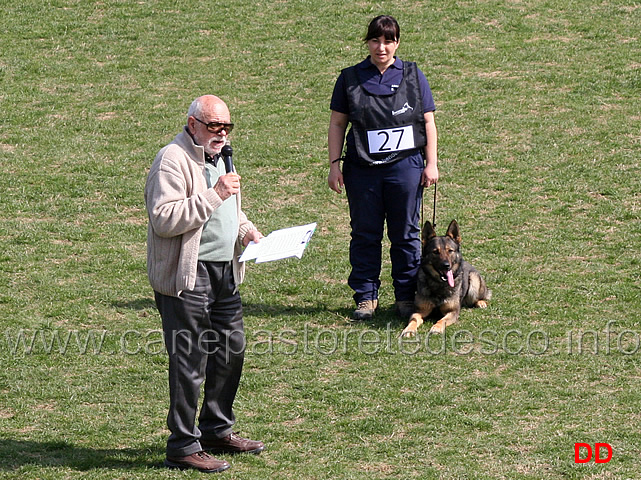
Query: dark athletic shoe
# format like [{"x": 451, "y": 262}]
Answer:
[{"x": 201, "y": 461}]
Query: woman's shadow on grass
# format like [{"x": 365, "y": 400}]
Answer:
[{"x": 15, "y": 454}]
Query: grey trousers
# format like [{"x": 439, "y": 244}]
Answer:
[{"x": 205, "y": 341}]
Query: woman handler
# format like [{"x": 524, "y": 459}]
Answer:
[{"x": 391, "y": 155}]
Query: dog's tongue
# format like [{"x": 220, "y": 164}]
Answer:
[{"x": 450, "y": 278}]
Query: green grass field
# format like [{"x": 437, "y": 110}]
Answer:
[{"x": 539, "y": 118}]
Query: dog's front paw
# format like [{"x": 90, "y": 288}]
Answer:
[
  {"x": 408, "y": 332},
  {"x": 481, "y": 304},
  {"x": 416, "y": 321},
  {"x": 437, "y": 328}
]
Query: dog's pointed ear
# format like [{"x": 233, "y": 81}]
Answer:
[
  {"x": 428, "y": 232},
  {"x": 453, "y": 232}
]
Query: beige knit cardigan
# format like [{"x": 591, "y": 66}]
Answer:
[{"x": 178, "y": 205}]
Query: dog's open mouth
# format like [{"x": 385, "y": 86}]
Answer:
[{"x": 448, "y": 277}]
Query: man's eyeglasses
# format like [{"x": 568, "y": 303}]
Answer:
[{"x": 217, "y": 127}]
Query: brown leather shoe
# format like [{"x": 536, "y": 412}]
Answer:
[
  {"x": 198, "y": 461},
  {"x": 365, "y": 310},
  {"x": 232, "y": 444}
]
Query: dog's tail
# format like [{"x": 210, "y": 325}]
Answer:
[{"x": 488, "y": 294}]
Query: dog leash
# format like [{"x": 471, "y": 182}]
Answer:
[{"x": 434, "y": 210}]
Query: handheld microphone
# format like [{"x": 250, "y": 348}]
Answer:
[{"x": 226, "y": 153}]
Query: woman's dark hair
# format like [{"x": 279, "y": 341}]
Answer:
[{"x": 383, "y": 25}]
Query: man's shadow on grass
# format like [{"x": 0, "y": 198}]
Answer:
[
  {"x": 15, "y": 454},
  {"x": 138, "y": 304},
  {"x": 384, "y": 317},
  {"x": 249, "y": 308}
]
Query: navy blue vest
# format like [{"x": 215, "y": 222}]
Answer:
[{"x": 386, "y": 128}]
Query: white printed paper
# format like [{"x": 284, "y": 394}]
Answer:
[{"x": 285, "y": 243}]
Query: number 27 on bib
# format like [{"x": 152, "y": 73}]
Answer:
[{"x": 391, "y": 139}]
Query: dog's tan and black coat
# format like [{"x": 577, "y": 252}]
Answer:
[{"x": 446, "y": 282}]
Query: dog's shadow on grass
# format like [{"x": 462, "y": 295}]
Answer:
[{"x": 15, "y": 454}]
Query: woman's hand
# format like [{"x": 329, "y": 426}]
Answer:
[
  {"x": 429, "y": 175},
  {"x": 335, "y": 178}
]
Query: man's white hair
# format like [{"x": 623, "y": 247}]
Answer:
[{"x": 195, "y": 109}]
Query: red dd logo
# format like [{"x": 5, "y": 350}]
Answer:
[{"x": 580, "y": 447}]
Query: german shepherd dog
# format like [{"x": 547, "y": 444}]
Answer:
[{"x": 445, "y": 281}]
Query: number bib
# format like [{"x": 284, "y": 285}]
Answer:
[{"x": 391, "y": 139}]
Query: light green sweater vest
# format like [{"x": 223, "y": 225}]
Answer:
[{"x": 221, "y": 230}]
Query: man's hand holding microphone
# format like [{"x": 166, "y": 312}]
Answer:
[{"x": 228, "y": 185}]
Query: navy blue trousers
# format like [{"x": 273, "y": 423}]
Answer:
[{"x": 377, "y": 195}]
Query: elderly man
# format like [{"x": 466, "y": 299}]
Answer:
[{"x": 196, "y": 233}]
